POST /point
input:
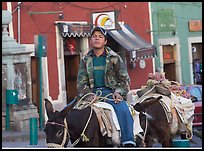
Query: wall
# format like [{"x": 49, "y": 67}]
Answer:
[
  {"x": 184, "y": 11},
  {"x": 133, "y": 13}
]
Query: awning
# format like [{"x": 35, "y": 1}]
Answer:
[
  {"x": 74, "y": 30},
  {"x": 128, "y": 39}
]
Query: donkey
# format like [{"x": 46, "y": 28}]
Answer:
[
  {"x": 155, "y": 125},
  {"x": 81, "y": 127}
]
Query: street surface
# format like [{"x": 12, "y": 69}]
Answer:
[{"x": 42, "y": 144}]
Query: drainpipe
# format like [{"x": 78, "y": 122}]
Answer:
[
  {"x": 9, "y": 8},
  {"x": 18, "y": 8},
  {"x": 19, "y": 28}
]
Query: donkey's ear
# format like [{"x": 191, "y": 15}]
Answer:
[
  {"x": 138, "y": 107},
  {"x": 49, "y": 108}
]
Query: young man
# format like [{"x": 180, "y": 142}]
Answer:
[{"x": 103, "y": 70}]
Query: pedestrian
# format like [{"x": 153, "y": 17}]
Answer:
[{"x": 102, "y": 69}]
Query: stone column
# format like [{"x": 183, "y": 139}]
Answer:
[{"x": 16, "y": 75}]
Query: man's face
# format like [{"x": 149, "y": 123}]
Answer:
[{"x": 98, "y": 40}]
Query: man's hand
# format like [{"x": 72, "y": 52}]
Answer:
[
  {"x": 90, "y": 98},
  {"x": 117, "y": 97}
]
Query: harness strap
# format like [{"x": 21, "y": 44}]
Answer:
[
  {"x": 54, "y": 145},
  {"x": 146, "y": 121}
]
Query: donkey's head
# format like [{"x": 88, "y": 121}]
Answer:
[
  {"x": 148, "y": 102},
  {"x": 56, "y": 128}
]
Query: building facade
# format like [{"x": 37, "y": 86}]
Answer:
[
  {"x": 65, "y": 28},
  {"x": 177, "y": 33}
]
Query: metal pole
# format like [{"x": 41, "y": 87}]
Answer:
[
  {"x": 40, "y": 79},
  {"x": 50, "y": 12},
  {"x": 19, "y": 24},
  {"x": 33, "y": 131}
]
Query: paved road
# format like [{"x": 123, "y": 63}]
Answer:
[
  {"x": 25, "y": 144},
  {"x": 42, "y": 144}
]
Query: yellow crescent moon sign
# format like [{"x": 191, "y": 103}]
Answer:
[
  {"x": 101, "y": 20},
  {"x": 104, "y": 20}
]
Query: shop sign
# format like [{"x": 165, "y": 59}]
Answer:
[
  {"x": 106, "y": 20},
  {"x": 75, "y": 30},
  {"x": 195, "y": 25}
]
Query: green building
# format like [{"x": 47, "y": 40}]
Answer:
[{"x": 177, "y": 33}]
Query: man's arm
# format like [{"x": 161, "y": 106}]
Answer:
[
  {"x": 123, "y": 78},
  {"x": 82, "y": 79}
]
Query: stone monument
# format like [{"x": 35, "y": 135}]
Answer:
[{"x": 16, "y": 75}]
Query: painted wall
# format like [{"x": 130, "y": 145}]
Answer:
[
  {"x": 136, "y": 14},
  {"x": 184, "y": 11}
]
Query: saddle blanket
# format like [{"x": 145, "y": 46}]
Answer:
[
  {"x": 185, "y": 107},
  {"x": 136, "y": 126}
]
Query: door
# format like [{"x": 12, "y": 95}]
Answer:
[
  {"x": 35, "y": 81},
  {"x": 169, "y": 62},
  {"x": 197, "y": 62},
  {"x": 71, "y": 71}
]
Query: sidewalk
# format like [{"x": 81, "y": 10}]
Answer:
[{"x": 21, "y": 139}]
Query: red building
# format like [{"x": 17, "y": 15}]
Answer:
[{"x": 66, "y": 26}]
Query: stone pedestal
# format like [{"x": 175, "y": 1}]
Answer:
[
  {"x": 20, "y": 115},
  {"x": 16, "y": 75}
]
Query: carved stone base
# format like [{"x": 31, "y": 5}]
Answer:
[{"x": 20, "y": 117}]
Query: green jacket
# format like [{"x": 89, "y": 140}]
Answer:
[{"x": 116, "y": 75}]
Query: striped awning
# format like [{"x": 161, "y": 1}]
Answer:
[
  {"x": 74, "y": 30},
  {"x": 128, "y": 39}
]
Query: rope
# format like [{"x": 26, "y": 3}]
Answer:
[
  {"x": 97, "y": 98},
  {"x": 145, "y": 132},
  {"x": 145, "y": 127},
  {"x": 83, "y": 136},
  {"x": 190, "y": 136},
  {"x": 100, "y": 98}
]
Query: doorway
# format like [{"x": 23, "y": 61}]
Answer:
[
  {"x": 169, "y": 58},
  {"x": 71, "y": 71},
  {"x": 71, "y": 59},
  {"x": 197, "y": 62},
  {"x": 35, "y": 81}
]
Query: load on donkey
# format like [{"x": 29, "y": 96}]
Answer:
[
  {"x": 161, "y": 108},
  {"x": 166, "y": 118},
  {"x": 86, "y": 124}
]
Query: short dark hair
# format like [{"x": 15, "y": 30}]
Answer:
[{"x": 101, "y": 29}]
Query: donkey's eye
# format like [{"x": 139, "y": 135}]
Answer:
[{"x": 59, "y": 133}]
